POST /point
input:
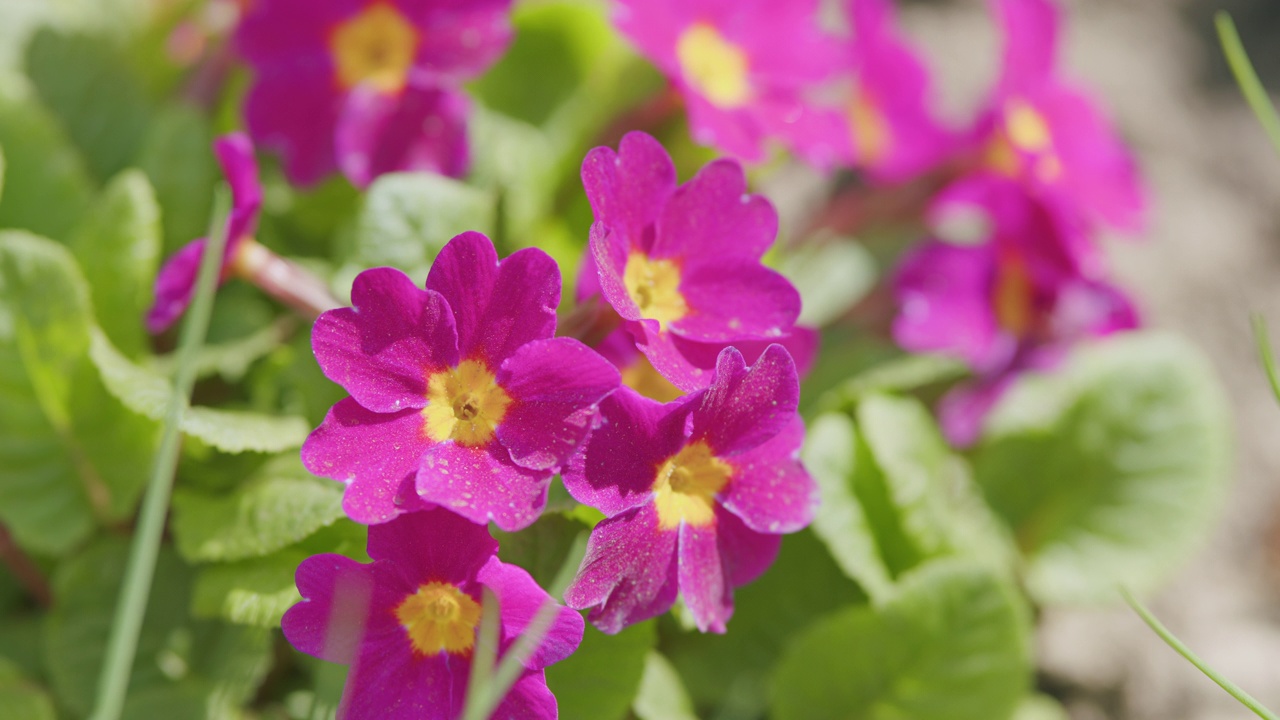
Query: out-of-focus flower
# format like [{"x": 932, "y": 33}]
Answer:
[
  {"x": 697, "y": 494},
  {"x": 889, "y": 129},
  {"x": 745, "y": 69},
  {"x": 407, "y": 623},
  {"x": 1013, "y": 299},
  {"x": 459, "y": 394},
  {"x": 1049, "y": 134},
  {"x": 368, "y": 86},
  {"x": 682, "y": 265},
  {"x": 176, "y": 281}
]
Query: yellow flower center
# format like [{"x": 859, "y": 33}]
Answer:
[
  {"x": 376, "y": 46},
  {"x": 439, "y": 617},
  {"x": 715, "y": 67},
  {"x": 644, "y": 379},
  {"x": 1012, "y": 297},
  {"x": 654, "y": 285},
  {"x": 871, "y": 133},
  {"x": 686, "y": 486},
  {"x": 464, "y": 404},
  {"x": 1025, "y": 131}
]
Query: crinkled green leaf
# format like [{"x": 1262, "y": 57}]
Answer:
[
  {"x": 177, "y": 155},
  {"x": 829, "y": 454},
  {"x": 183, "y": 668},
  {"x": 731, "y": 671},
  {"x": 21, "y": 698},
  {"x": 542, "y": 547},
  {"x": 408, "y": 217},
  {"x": 48, "y": 188},
  {"x": 599, "y": 681},
  {"x": 147, "y": 393},
  {"x": 919, "y": 495},
  {"x": 253, "y": 592},
  {"x": 118, "y": 245},
  {"x": 519, "y": 162},
  {"x": 899, "y": 375},
  {"x": 69, "y": 453},
  {"x": 831, "y": 278},
  {"x": 281, "y": 505},
  {"x": 1111, "y": 469},
  {"x": 230, "y": 360},
  {"x": 954, "y": 644},
  {"x": 662, "y": 696},
  {"x": 97, "y": 97}
]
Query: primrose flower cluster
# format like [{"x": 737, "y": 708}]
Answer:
[
  {"x": 464, "y": 404},
  {"x": 1010, "y": 276}
]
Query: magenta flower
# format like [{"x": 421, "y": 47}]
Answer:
[
  {"x": 406, "y": 623},
  {"x": 682, "y": 265},
  {"x": 176, "y": 281},
  {"x": 890, "y": 130},
  {"x": 368, "y": 86},
  {"x": 459, "y": 393},
  {"x": 696, "y": 494},
  {"x": 1049, "y": 134},
  {"x": 740, "y": 84},
  {"x": 1014, "y": 301}
]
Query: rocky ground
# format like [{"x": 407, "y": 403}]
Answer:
[{"x": 1210, "y": 259}]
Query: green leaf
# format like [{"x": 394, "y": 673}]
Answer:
[
  {"x": 408, "y": 217},
  {"x": 177, "y": 156},
  {"x": 953, "y": 645},
  {"x": 599, "y": 681},
  {"x": 732, "y": 670},
  {"x": 662, "y": 696},
  {"x": 1110, "y": 470},
  {"x": 147, "y": 394},
  {"x": 542, "y": 547},
  {"x": 281, "y": 505},
  {"x": 48, "y": 188},
  {"x": 1040, "y": 707},
  {"x": 831, "y": 277},
  {"x": 900, "y": 375},
  {"x": 22, "y": 699},
  {"x": 829, "y": 454},
  {"x": 69, "y": 453},
  {"x": 920, "y": 494},
  {"x": 119, "y": 243},
  {"x": 94, "y": 93},
  {"x": 253, "y": 592},
  {"x": 519, "y": 162},
  {"x": 183, "y": 668}
]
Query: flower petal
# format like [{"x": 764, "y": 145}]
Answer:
[
  {"x": 482, "y": 484},
  {"x": 388, "y": 681},
  {"x": 703, "y": 586},
  {"x": 629, "y": 573},
  {"x": 292, "y": 109},
  {"x": 235, "y": 155},
  {"x": 371, "y": 452},
  {"x": 329, "y": 622},
  {"x": 556, "y": 386},
  {"x": 609, "y": 253},
  {"x": 617, "y": 469},
  {"x": 712, "y": 218},
  {"x": 944, "y": 291},
  {"x": 464, "y": 272},
  {"x": 771, "y": 491},
  {"x": 521, "y": 599},
  {"x": 736, "y": 300},
  {"x": 175, "y": 285},
  {"x": 459, "y": 39},
  {"x": 422, "y": 128},
  {"x": 383, "y": 348},
  {"x": 529, "y": 698},
  {"x": 433, "y": 544},
  {"x": 629, "y": 188},
  {"x": 744, "y": 407},
  {"x": 522, "y": 308},
  {"x": 744, "y": 553}
]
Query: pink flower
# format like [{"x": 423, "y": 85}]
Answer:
[
  {"x": 407, "y": 623},
  {"x": 460, "y": 396},
  {"x": 1013, "y": 298},
  {"x": 368, "y": 86},
  {"x": 1047, "y": 133},
  {"x": 681, "y": 265},
  {"x": 742, "y": 85},
  {"x": 696, "y": 492},
  {"x": 176, "y": 281}
]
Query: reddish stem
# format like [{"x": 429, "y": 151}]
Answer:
[{"x": 24, "y": 570}]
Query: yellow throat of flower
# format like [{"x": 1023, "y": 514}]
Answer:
[
  {"x": 686, "y": 486},
  {"x": 439, "y": 617},
  {"x": 1024, "y": 131},
  {"x": 871, "y": 133},
  {"x": 1012, "y": 297},
  {"x": 654, "y": 286},
  {"x": 715, "y": 67},
  {"x": 376, "y": 46},
  {"x": 465, "y": 404}
]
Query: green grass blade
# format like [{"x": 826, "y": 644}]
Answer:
[
  {"x": 131, "y": 607},
  {"x": 1263, "y": 340},
  {"x": 1247, "y": 79}
]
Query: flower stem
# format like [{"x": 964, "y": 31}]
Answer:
[
  {"x": 1232, "y": 689},
  {"x": 131, "y": 608},
  {"x": 26, "y": 572},
  {"x": 1247, "y": 79},
  {"x": 284, "y": 280}
]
